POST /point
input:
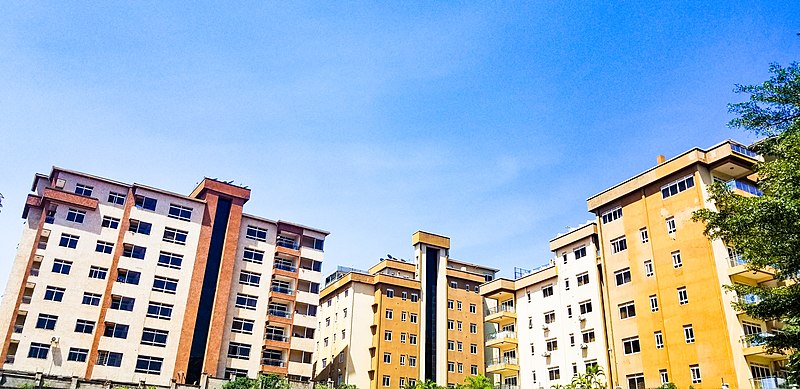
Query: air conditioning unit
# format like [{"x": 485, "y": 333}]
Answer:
[
  {"x": 584, "y": 346},
  {"x": 581, "y": 318},
  {"x": 60, "y": 183},
  {"x": 545, "y": 327},
  {"x": 546, "y": 354}
]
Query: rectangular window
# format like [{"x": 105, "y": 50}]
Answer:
[
  {"x": 116, "y": 198},
  {"x": 671, "y": 225},
  {"x": 451, "y": 367},
  {"x": 69, "y": 241},
  {"x": 610, "y": 216},
  {"x": 688, "y": 333},
  {"x": 389, "y": 293},
  {"x": 133, "y": 251},
  {"x": 627, "y": 310},
  {"x": 549, "y": 317},
  {"x": 583, "y": 279},
  {"x": 165, "y": 285},
  {"x": 389, "y": 314},
  {"x": 659, "y": 339},
  {"x": 554, "y": 373},
  {"x": 631, "y": 345},
  {"x": 414, "y": 297},
  {"x": 695, "y": 370},
  {"x": 77, "y": 354},
  {"x": 180, "y": 212},
  {"x": 242, "y": 326},
  {"x": 473, "y": 348},
  {"x": 473, "y": 308},
  {"x": 53, "y": 293},
  {"x": 61, "y": 266},
  {"x": 676, "y": 259},
  {"x": 649, "y": 271},
  {"x": 664, "y": 376},
  {"x": 83, "y": 190},
  {"x": 108, "y": 358},
  {"x": 403, "y": 316},
  {"x": 459, "y": 325},
  {"x": 450, "y": 304},
  {"x": 552, "y": 344},
  {"x": 683, "y": 297},
  {"x": 116, "y": 330},
  {"x": 473, "y": 328},
  {"x": 653, "y": 303},
  {"x": 253, "y": 255},
  {"x": 619, "y": 244},
  {"x": 149, "y": 365},
  {"x": 104, "y": 247},
  {"x": 172, "y": 235},
  {"x": 110, "y": 222},
  {"x": 623, "y": 276},
  {"x": 386, "y": 381},
  {"x": 588, "y": 336},
  {"x": 451, "y": 325},
  {"x": 75, "y": 216},
  {"x": 84, "y": 326},
  {"x": 387, "y": 336},
  {"x": 91, "y": 299},
  {"x": 147, "y": 203},
  {"x": 676, "y": 187},
  {"x": 159, "y": 310},
  {"x": 38, "y": 350},
  {"x": 387, "y": 358},
  {"x": 249, "y": 278},
  {"x": 170, "y": 260},
  {"x": 154, "y": 337},
  {"x": 580, "y": 252},
  {"x": 412, "y": 339},
  {"x": 140, "y": 227},
  {"x": 98, "y": 272},
  {"x": 257, "y": 233},
  {"x": 547, "y": 291},
  {"x": 312, "y": 243},
  {"x": 238, "y": 350},
  {"x": 126, "y": 276},
  {"x": 414, "y": 317},
  {"x": 122, "y": 303},
  {"x": 643, "y": 235},
  {"x": 635, "y": 381},
  {"x": 586, "y": 307},
  {"x": 246, "y": 301}
]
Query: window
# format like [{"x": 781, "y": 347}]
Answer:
[
  {"x": 583, "y": 279},
  {"x": 313, "y": 243},
  {"x": 451, "y": 367},
  {"x": 552, "y": 344},
  {"x": 147, "y": 203},
  {"x": 387, "y": 381},
  {"x": 588, "y": 336},
  {"x": 473, "y": 308},
  {"x": 110, "y": 222},
  {"x": 140, "y": 227},
  {"x": 238, "y": 350},
  {"x": 473, "y": 369},
  {"x": 659, "y": 339},
  {"x": 453, "y": 284},
  {"x": 635, "y": 381},
  {"x": 159, "y": 310},
  {"x": 649, "y": 271},
  {"x": 387, "y": 335},
  {"x": 108, "y": 358},
  {"x": 547, "y": 291},
  {"x": 83, "y": 190},
  {"x": 569, "y": 313},
  {"x": 450, "y": 304},
  {"x": 671, "y": 225},
  {"x": 554, "y": 373},
  {"x": 458, "y": 305},
  {"x": 149, "y": 365},
  {"x": 257, "y": 233},
  {"x": 104, "y": 247},
  {"x": 566, "y": 284},
  {"x": 133, "y": 251},
  {"x": 344, "y": 312},
  {"x": 387, "y": 358},
  {"x": 77, "y": 354},
  {"x": 580, "y": 252},
  {"x": 116, "y": 198},
  {"x": 404, "y": 296},
  {"x": 403, "y": 337},
  {"x": 572, "y": 340},
  {"x": 676, "y": 259},
  {"x": 54, "y": 293},
  {"x": 676, "y": 187},
  {"x": 38, "y": 350},
  {"x": 412, "y": 339},
  {"x": 623, "y": 276},
  {"x": 164, "y": 284},
  {"x": 549, "y": 317},
  {"x": 619, "y": 244},
  {"x": 154, "y": 337},
  {"x": 586, "y": 307},
  {"x": 460, "y": 347},
  {"x": 180, "y": 212},
  {"x": 460, "y": 325},
  {"x": 414, "y": 297},
  {"x": 170, "y": 260},
  {"x": 610, "y": 216},
  {"x": 69, "y": 241},
  {"x": 683, "y": 297},
  {"x": 249, "y": 278},
  {"x": 61, "y": 266},
  {"x": 653, "y": 303},
  {"x": 98, "y": 272},
  {"x": 116, "y": 330},
  {"x": 176, "y": 236},
  {"x": 473, "y": 348},
  {"x": 389, "y": 293},
  {"x": 122, "y": 303},
  {"x": 688, "y": 333},
  {"x": 451, "y": 345},
  {"x": 627, "y": 310},
  {"x": 664, "y": 376},
  {"x": 84, "y": 326},
  {"x": 402, "y": 361},
  {"x": 246, "y": 301},
  {"x": 91, "y": 299},
  {"x": 695, "y": 370},
  {"x": 631, "y": 345},
  {"x": 643, "y": 235},
  {"x": 242, "y": 326},
  {"x": 126, "y": 276},
  {"x": 253, "y": 255},
  {"x": 75, "y": 216},
  {"x": 460, "y": 367}
]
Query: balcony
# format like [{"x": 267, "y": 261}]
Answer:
[
  {"x": 768, "y": 383},
  {"x": 742, "y": 186},
  {"x": 26, "y": 299},
  {"x": 18, "y": 328},
  {"x": 503, "y": 366},
  {"x": 279, "y": 313},
  {"x": 34, "y": 272},
  {"x": 288, "y": 243},
  {"x": 502, "y": 340},
  {"x": 284, "y": 267},
  {"x": 281, "y": 292},
  {"x": 273, "y": 365},
  {"x": 505, "y": 386},
  {"x": 738, "y": 269},
  {"x": 10, "y": 359},
  {"x": 501, "y": 315},
  {"x": 754, "y": 345},
  {"x": 276, "y": 338},
  {"x": 739, "y": 149}
]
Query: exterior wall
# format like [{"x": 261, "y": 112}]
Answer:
[{"x": 464, "y": 294}]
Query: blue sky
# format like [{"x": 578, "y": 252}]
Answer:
[{"x": 487, "y": 122}]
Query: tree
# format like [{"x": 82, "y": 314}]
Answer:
[
  {"x": 594, "y": 378},
  {"x": 427, "y": 384},
  {"x": 479, "y": 381},
  {"x": 765, "y": 230},
  {"x": 268, "y": 381}
]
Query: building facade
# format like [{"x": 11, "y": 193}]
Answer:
[
  {"x": 400, "y": 322},
  {"x": 546, "y": 326},
  {"x": 668, "y": 315},
  {"x": 131, "y": 283}
]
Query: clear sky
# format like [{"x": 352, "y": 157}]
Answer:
[{"x": 489, "y": 122}]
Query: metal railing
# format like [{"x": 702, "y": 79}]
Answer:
[
  {"x": 502, "y": 308},
  {"x": 505, "y": 386},
  {"x": 273, "y": 362},
  {"x": 18, "y": 328},
  {"x": 768, "y": 383},
  {"x": 10, "y": 358},
  {"x": 279, "y": 313},
  {"x": 739, "y": 149},
  {"x": 744, "y": 186},
  {"x": 276, "y": 337},
  {"x": 26, "y": 299},
  {"x": 284, "y": 267},
  {"x": 34, "y": 272},
  {"x": 288, "y": 243},
  {"x": 281, "y": 289},
  {"x": 502, "y": 361},
  {"x": 502, "y": 335},
  {"x": 737, "y": 260}
]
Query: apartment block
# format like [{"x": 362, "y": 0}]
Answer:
[
  {"x": 403, "y": 321},
  {"x": 547, "y": 325},
  {"x": 128, "y": 282},
  {"x": 668, "y": 316}
]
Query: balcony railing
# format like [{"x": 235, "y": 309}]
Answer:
[
  {"x": 284, "y": 267},
  {"x": 744, "y": 186},
  {"x": 279, "y": 313},
  {"x": 737, "y": 260},
  {"x": 281, "y": 289},
  {"x": 502, "y": 335},
  {"x": 276, "y": 337},
  {"x": 26, "y": 299},
  {"x": 18, "y": 328},
  {"x": 502, "y": 361},
  {"x": 34, "y": 272},
  {"x": 505, "y": 386},
  {"x": 759, "y": 339},
  {"x": 768, "y": 383},
  {"x": 502, "y": 308},
  {"x": 743, "y": 151},
  {"x": 273, "y": 362},
  {"x": 10, "y": 358},
  {"x": 288, "y": 243}
]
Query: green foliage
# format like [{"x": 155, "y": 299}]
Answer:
[
  {"x": 594, "y": 378},
  {"x": 764, "y": 230},
  {"x": 27, "y": 386},
  {"x": 427, "y": 384},
  {"x": 269, "y": 381},
  {"x": 479, "y": 381},
  {"x": 240, "y": 383},
  {"x": 669, "y": 385},
  {"x": 346, "y": 386}
]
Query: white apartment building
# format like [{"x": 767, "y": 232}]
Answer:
[{"x": 131, "y": 283}]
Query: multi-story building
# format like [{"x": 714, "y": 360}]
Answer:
[
  {"x": 131, "y": 283},
  {"x": 547, "y": 325},
  {"x": 400, "y": 322},
  {"x": 669, "y": 317}
]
